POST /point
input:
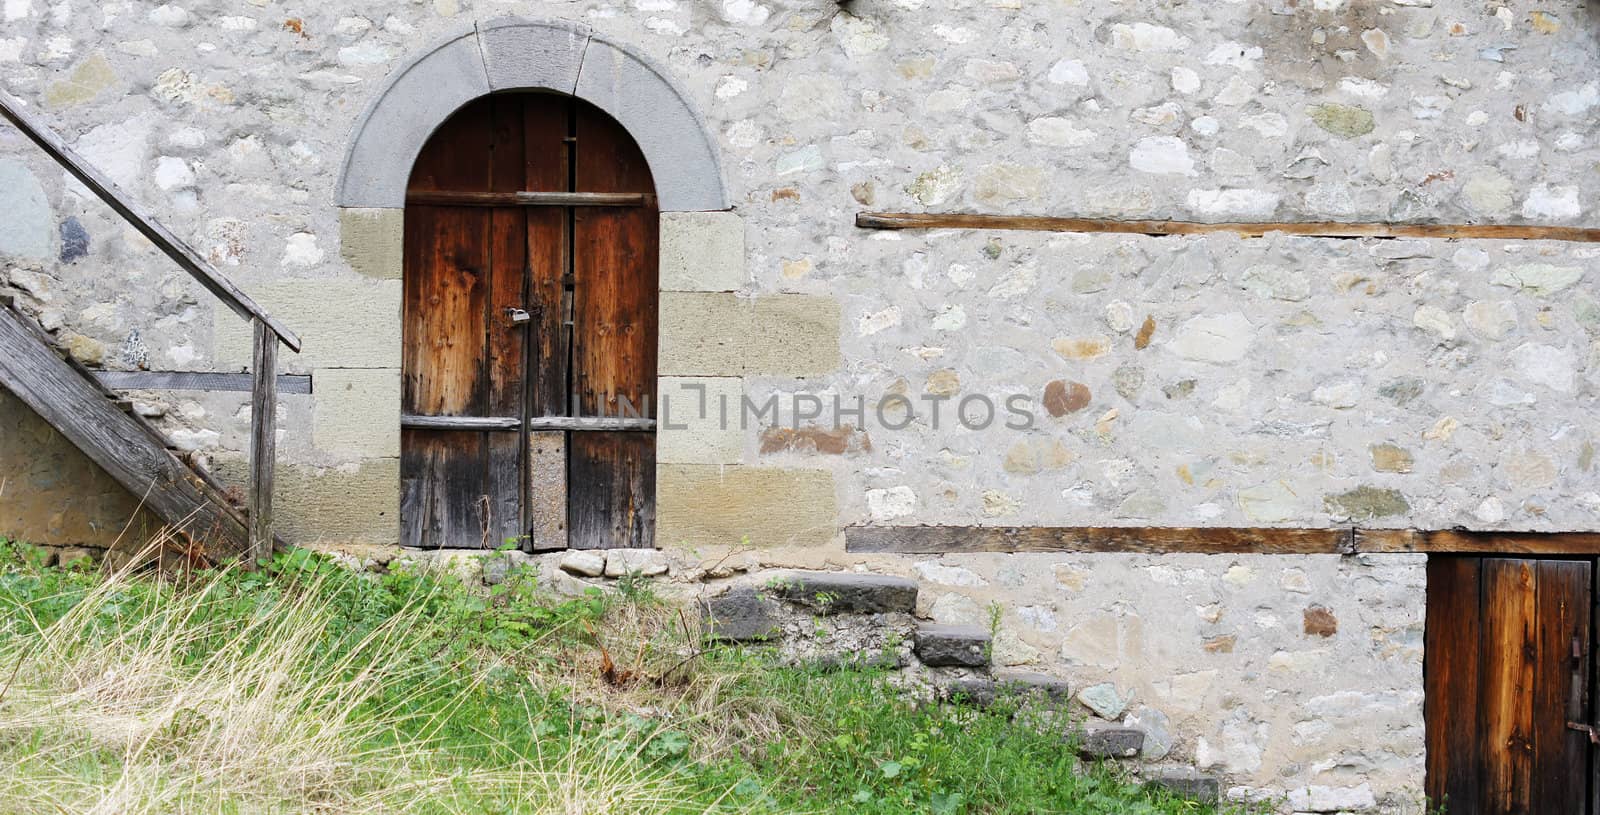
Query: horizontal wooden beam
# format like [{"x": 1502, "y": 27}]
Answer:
[
  {"x": 1151, "y": 540},
  {"x": 186, "y": 258},
  {"x": 1444, "y": 541},
  {"x": 938, "y": 540},
  {"x": 530, "y": 199},
  {"x": 580, "y": 423},
  {"x": 1317, "y": 229},
  {"x": 195, "y": 381}
]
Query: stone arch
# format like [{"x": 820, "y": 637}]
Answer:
[{"x": 509, "y": 54}]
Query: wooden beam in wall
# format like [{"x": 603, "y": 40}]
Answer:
[
  {"x": 1135, "y": 539},
  {"x": 1464, "y": 542},
  {"x": 938, "y": 540},
  {"x": 1317, "y": 229}
]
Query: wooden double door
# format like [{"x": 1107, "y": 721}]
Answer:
[
  {"x": 529, "y": 331},
  {"x": 1509, "y": 664}
]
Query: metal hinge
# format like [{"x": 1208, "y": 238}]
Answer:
[{"x": 1588, "y": 730}]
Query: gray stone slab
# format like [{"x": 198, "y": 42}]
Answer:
[
  {"x": 952, "y": 646},
  {"x": 971, "y": 690},
  {"x": 27, "y": 225},
  {"x": 846, "y": 593},
  {"x": 658, "y": 114},
  {"x": 1109, "y": 741},
  {"x": 1041, "y": 687},
  {"x": 1187, "y": 784},
  {"x": 740, "y": 615},
  {"x": 521, "y": 54},
  {"x": 390, "y": 134}
]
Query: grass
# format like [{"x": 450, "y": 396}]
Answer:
[{"x": 305, "y": 687}]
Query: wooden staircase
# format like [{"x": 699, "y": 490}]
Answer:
[{"x": 93, "y": 418}]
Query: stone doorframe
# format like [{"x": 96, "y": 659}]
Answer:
[{"x": 509, "y": 54}]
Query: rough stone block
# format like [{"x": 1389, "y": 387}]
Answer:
[
  {"x": 344, "y": 324},
  {"x": 741, "y": 615},
  {"x": 644, "y": 100},
  {"x": 720, "y": 334},
  {"x": 395, "y": 125},
  {"x": 584, "y": 563},
  {"x": 1041, "y": 687},
  {"x": 521, "y": 54},
  {"x": 351, "y": 503},
  {"x": 28, "y": 230},
  {"x": 973, "y": 690},
  {"x": 356, "y": 412},
  {"x": 955, "y": 646},
  {"x": 1187, "y": 784},
  {"x": 702, "y": 251},
  {"x": 646, "y": 562},
  {"x": 1109, "y": 741},
  {"x": 698, "y": 420},
  {"x": 713, "y": 505},
  {"x": 372, "y": 241},
  {"x": 846, "y": 593}
]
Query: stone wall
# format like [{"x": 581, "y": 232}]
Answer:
[
  {"x": 52, "y": 495},
  {"x": 1173, "y": 381}
]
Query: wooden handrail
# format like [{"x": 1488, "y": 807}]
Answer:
[
  {"x": 268, "y": 331},
  {"x": 219, "y": 286}
]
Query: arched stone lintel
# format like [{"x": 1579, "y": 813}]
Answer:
[{"x": 516, "y": 54}]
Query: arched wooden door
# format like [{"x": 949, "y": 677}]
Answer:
[{"x": 530, "y": 331}]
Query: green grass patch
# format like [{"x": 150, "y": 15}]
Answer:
[{"x": 306, "y": 687}]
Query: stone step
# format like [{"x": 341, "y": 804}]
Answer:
[
  {"x": 1031, "y": 687},
  {"x": 846, "y": 592},
  {"x": 1109, "y": 741},
  {"x": 952, "y": 646},
  {"x": 742, "y": 614},
  {"x": 1186, "y": 783},
  {"x": 1041, "y": 687}
]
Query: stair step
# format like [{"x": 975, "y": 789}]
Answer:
[
  {"x": 952, "y": 646},
  {"x": 846, "y": 593},
  {"x": 742, "y": 614},
  {"x": 1042, "y": 686},
  {"x": 1185, "y": 783},
  {"x": 1109, "y": 741}
]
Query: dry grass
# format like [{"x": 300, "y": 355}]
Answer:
[{"x": 168, "y": 709}]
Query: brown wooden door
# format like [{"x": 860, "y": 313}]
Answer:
[
  {"x": 1507, "y": 667},
  {"x": 530, "y": 312}
]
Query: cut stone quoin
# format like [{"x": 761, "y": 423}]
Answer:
[{"x": 1187, "y": 784}]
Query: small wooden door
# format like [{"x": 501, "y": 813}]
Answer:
[
  {"x": 529, "y": 331},
  {"x": 1508, "y": 667}
]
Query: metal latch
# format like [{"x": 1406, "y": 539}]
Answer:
[
  {"x": 1588, "y": 730},
  {"x": 518, "y": 316}
]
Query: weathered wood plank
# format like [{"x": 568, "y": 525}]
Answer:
[
  {"x": 523, "y": 198},
  {"x": 1466, "y": 542},
  {"x": 1319, "y": 229},
  {"x": 1452, "y": 637},
  {"x": 946, "y": 539},
  {"x": 263, "y": 439},
  {"x": 1510, "y": 670},
  {"x": 196, "y": 381},
  {"x": 1561, "y": 754},
  {"x": 611, "y": 477},
  {"x": 611, "y": 490},
  {"x": 186, "y": 258},
  {"x": 126, "y": 448}
]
